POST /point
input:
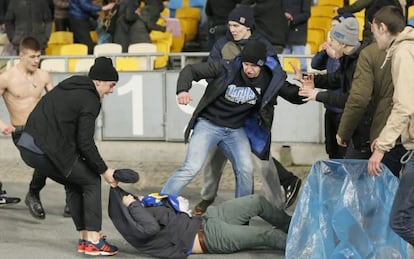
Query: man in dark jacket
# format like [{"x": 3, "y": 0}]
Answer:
[
  {"x": 164, "y": 232},
  {"x": 26, "y": 18},
  {"x": 58, "y": 141},
  {"x": 272, "y": 174},
  {"x": 237, "y": 102}
]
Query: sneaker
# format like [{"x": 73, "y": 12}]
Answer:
[
  {"x": 202, "y": 206},
  {"x": 291, "y": 191},
  {"x": 101, "y": 248},
  {"x": 35, "y": 206},
  {"x": 4, "y": 199},
  {"x": 81, "y": 245}
]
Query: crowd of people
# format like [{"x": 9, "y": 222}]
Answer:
[{"x": 369, "y": 116}]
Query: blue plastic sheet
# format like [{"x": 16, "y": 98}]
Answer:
[{"x": 343, "y": 212}]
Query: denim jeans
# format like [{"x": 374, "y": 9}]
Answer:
[
  {"x": 402, "y": 212},
  {"x": 266, "y": 169},
  {"x": 298, "y": 50},
  {"x": 206, "y": 135},
  {"x": 226, "y": 229}
]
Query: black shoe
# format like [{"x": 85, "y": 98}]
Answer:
[
  {"x": 4, "y": 199},
  {"x": 202, "y": 206},
  {"x": 35, "y": 206},
  {"x": 291, "y": 191},
  {"x": 66, "y": 211}
]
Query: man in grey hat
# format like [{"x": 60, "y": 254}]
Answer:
[{"x": 58, "y": 141}]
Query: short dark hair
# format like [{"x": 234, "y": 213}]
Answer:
[
  {"x": 29, "y": 43},
  {"x": 392, "y": 17}
]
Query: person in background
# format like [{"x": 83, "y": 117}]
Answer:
[
  {"x": 392, "y": 35},
  {"x": 61, "y": 15},
  {"x": 325, "y": 60},
  {"x": 83, "y": 16},
  {"x": 297, "y": 13},
  {"x": 26, "y": 18},
  {"x": 58, "y": 141}
]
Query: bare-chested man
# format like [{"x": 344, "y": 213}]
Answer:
[{"x": 21, "y": 87}]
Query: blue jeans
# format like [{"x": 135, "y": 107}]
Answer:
[
  {"x": 206, "y": 135},
  {"x": 402, "y": 212},
  {"x": 298, "y": 50}
]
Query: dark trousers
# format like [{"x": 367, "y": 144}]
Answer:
[
  {"x": 81, "y": 33},
  {"x": 285, "y": 176},
  {"x": 38, "y": 180},
  {"x": 332, "y": 148},
  {"x": 83, "y": 189},
  {"x": 62, "y": 24}
]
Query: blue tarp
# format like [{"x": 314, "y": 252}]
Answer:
[{"x": 343, "y": 212}]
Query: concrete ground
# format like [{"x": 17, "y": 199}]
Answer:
[{"x": 22, "y": 236}]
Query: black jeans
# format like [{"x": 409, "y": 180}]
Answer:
[
  {"x": 38, "y": 180},
  {"x": 81, "y": 33},
  {"x": 83, "y": 189}
]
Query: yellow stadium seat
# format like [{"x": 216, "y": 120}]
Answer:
[
  {"x": 164, "y": 47},
  {"x": 321, "y": 23},
  {"x": 339, "y": 3},
  {"x": 127, "y": 64},
  {"x": 410, "y": 12},
  {"x": 361, "y": 22},
  {"x": 315, "y": 38},
  {"x": 84, "y": 64},
  {"x": 56, "y": 40},
  {"x": 286, "y": 64},
  {"x": 73, "y": 49},
  {"x": 323, "y": 10},
  {"x": 94, "y": 36}
]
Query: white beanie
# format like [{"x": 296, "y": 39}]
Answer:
[{"x": 346, "y": 32}]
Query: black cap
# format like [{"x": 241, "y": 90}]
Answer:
[
  {"x": 242, "y": 14},
  {"x": 126, "y": 176},
  {"x": 103, "y": 70},
  {"x": 254, "y": 52}
]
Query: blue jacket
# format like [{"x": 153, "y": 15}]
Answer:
[
  {"x": 223, "y": 73},
  {"x": 83, "y": 9}
]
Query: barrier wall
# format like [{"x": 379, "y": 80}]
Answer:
[{"x": 143, "y": 107}]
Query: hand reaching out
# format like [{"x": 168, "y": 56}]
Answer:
[{"x": 184, "y": 98}]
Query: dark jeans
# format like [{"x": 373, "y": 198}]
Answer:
[
  {"x": 81, "y": 33},
  {"x": 83, "y": 189},
  {"x": 62, "y": 24},
  {"x": 38, "y": 180},
  {"x": 391, "y": 159},
  {"x": 332, "y": 148},
  {"x": 285, "y": 176},
  {"x": 402, "y": 212}
]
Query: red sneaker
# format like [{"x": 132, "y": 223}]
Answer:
[
  {"x": 101, "y": 248},
  {"x": 81, "y": 245}
]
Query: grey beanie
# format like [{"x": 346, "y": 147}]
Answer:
[{"x": 347, "y": 31}]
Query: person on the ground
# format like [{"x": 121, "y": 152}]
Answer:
[
  {"x": 165, "y": 230},
  {"x": 240, "y": 32},
  {"x": 58, "y": 141},
  {"x": 234, "y": 114},
  {"x": 21, "y": 87},
  {"x": 391, "y": 34}
]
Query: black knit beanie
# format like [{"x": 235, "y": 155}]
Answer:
[
  {"x": 103, "y": 70},
  {"x": 242, "y": 14},
  {"x": 254, "y": 52}
]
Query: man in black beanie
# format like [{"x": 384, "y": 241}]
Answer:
[
  {"x": 242, "y": 93},
  {"x": 58, "y": 141}
]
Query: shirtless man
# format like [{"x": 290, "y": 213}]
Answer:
[{"x": 21, "y": 87}]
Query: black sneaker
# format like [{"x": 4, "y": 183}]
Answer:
[
  {"x": 35, "y": 206},
  {"x": 66, "y": 211},
  {"x": 291, "y": 191},
  {"x": 202, "y": 206},
  {"x": 4, "y": 199}
]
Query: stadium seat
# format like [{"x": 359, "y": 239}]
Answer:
[
  {"x": 53, "y": 65},
  {"x": 107, "y": 49},
  {"x": 323, "y": 10},
  {"x": 58, "y": 39},
  {"x": 189, "y": 20},
  {"x": 127, "y": 64},
  {"x": 73, "y": 49},
  {"x": 315, "y": 38},
  {"x": 321, "y": 23},
  {"x": 287, "y": 67},
  {"x": 137, "y": 63},
  {"x": 84, "y": 64},
  {"x": 339, "y": 3}
]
